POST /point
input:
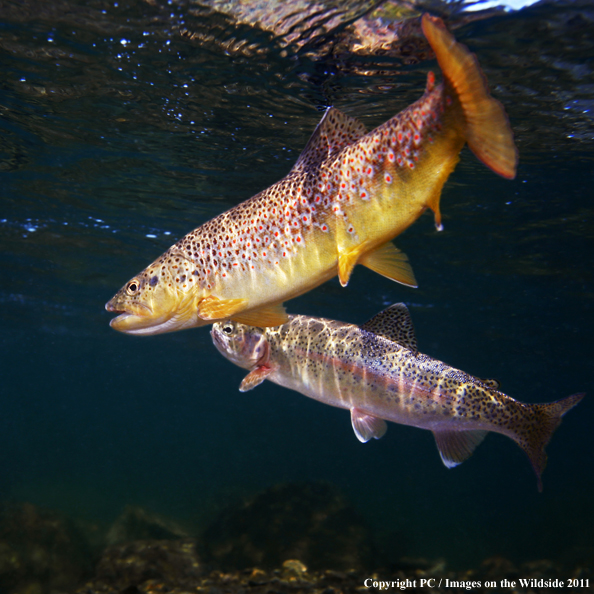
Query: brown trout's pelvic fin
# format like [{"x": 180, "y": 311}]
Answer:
[
  {"x": 488, "y": 132},
  {"x": 457, "y": 446},
  {"x": 390, "y": 262},
  {"x": 367, "y": 426},
  {"x": 213, "y": 308},
  {"x": 254, "y": 378},
  {"x": 395, "y": 324},
  {"x": 335, "y": 131},
  {"x": 263, "y": 317},
  {"x": 541, "y": 421}
]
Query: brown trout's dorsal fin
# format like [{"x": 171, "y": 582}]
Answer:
[
  {"x": 490, "y": 383},
  {"x": 395, "y": 324},
  {"x": 488, "y": 132},
  {"x": 390, "y": 262},
  {"x": 263, "y": 317},
  {"x": 254, "y": 378},
  {"x": 456, "y": 446},
  {"x": 213, "y": 308},
  {"x": 366, "y": 426},
  {"x": 335, "y": 131}
]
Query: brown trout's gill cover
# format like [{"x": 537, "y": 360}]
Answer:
[
  {"x": 349, "y": 194},
  {"x": 376, "y": 373}
]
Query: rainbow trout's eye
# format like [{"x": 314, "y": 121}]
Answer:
[
  {"x": 132, "y": 287},
  {"x": 228, "y": 329}
]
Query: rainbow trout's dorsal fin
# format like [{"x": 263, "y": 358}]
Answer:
[
  {"x": 490, "y": 383},
  {"x": 335, "y": 131},
  {"x": 395, "y": 324},
  {"x": 456, "y": 446}
]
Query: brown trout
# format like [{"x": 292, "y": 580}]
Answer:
[
  {"x": 376, "y": 372},
  {"x": 348, "y": 195}
]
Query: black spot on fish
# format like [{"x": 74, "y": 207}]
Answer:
[{"x": 154, "y": 280}]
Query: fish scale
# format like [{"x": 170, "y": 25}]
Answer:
[
  {"x": 348, "y": 195},
  {"x": 376, "y": 372}
]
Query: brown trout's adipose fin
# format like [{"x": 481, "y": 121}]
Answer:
[
  {"x": 254, "y": 378},
  {"x": 272, "y": 315},
  {"x": 456, "y": 446},
  {"x": 390, "y": 262},
  {"x": 395, "y": 324},
  {"x": 367, "y": 426},
  {"x": 335, "y": 131},
  {"x": 487, "y": 131},
  {"x": 539, "y": 424},
  {"x": 213, "y": 308}
]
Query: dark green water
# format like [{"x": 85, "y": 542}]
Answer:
[{"x": 118, "y": 135}]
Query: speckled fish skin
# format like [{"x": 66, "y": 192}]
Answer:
[
  {"x": 375, "y": 371},
  {"x": 349, "y": 194}
]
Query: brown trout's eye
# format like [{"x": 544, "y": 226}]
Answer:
[
  {"x": 132, "y": 287},
  {"x": 228, "y": 329}
]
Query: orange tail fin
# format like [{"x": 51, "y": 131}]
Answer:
[
  {"x": 488, "y": 132},
  {"x": 538, "y": 428}
]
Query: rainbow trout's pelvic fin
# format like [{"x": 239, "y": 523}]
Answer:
[
  {"x": 487, "y": 132},
  {"x": 541, "y": 421},
  {"x": 366, "y": 426},
  {"x": 263, "y": 317},
  {"x": 390, "y": 262},
  {"x": 335, "y": 131},
  {"x": 254, "y": 378},
  {"x": 395, "y": 324},
  {"x": 213, "y": 308},
  {"x": 456, "y": 446}
]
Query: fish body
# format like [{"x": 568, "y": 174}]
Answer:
[
  {"x": 349, "y": 194},
  {"x": 376, "y": 372}
]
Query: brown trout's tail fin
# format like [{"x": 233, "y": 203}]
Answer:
[
  {"x": 538, "y": 428},
  {"x": 488, "y": 132}
]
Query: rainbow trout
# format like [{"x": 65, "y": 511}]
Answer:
[
  {"x": 376, "y": 372},
  {"x": 348, "y": 195}
]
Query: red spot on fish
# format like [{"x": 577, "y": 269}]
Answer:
[{"x": 388, "y": 178}]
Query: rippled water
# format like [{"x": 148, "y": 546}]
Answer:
[{"x": 123, "y": 125}]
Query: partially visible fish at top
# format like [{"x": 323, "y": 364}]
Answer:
[
  {"x": 376, "y": 372},
  {"x": 348, "y": 195}
]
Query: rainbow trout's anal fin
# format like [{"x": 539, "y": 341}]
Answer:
[
  {"x": 487, "y": 130},
  {"x": 457, "y": 446}
]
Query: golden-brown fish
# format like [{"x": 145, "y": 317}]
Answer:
[
  {"x": 376, "y": 373},
  {"x": 349, "y": 194}
]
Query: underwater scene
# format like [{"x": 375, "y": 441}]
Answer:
[{"x": 133, "y": 463}]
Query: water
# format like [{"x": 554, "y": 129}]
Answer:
[{"x": 124, "y": 125}]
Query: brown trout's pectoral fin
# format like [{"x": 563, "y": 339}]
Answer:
[
  {"x": 395, "y": 324},
  {"x": 272, "y": 315},
  {"x": 390, "y": 262},
  {"x": 213, "y": 308},
  {"x": 254, "y": 378},
  {"x": 456, "y": 446},
  {"x": 335, "y": 131},
  {"x": 366, "y": 426}
]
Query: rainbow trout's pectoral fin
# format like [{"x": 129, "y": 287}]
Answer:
[
  {"x": 254, "y": 378},
  {"x": 213, "y": 308},
  {"x": 272, "y": 315},
  {"x": 456, "y": 446},
  {"x": 390, "y": 262},
  {"x": 366, "y": 426},
  {"x": 335, "y": 131},
  {"x": 395, "y": 324}
]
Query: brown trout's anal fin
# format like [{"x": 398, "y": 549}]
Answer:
[
  {"x": 390, "y": 262},
  {"x": 263, "y": 317},
  {"x": 537, "y": 428},
  {"x": 488, "y": 132},
  {"x": 254, "y": 378},
  {"x": 335, "y": 131},
  {"x": 395, "y": 324},
  {"x": 213, "y": 308},
  {"x": 456, "y": 446},
  {"x": 367, "y": 426}
]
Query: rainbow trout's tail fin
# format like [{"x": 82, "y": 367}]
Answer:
[
  {"x": 537, "y": 428},
  {"x": 488, "y": 132}
]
